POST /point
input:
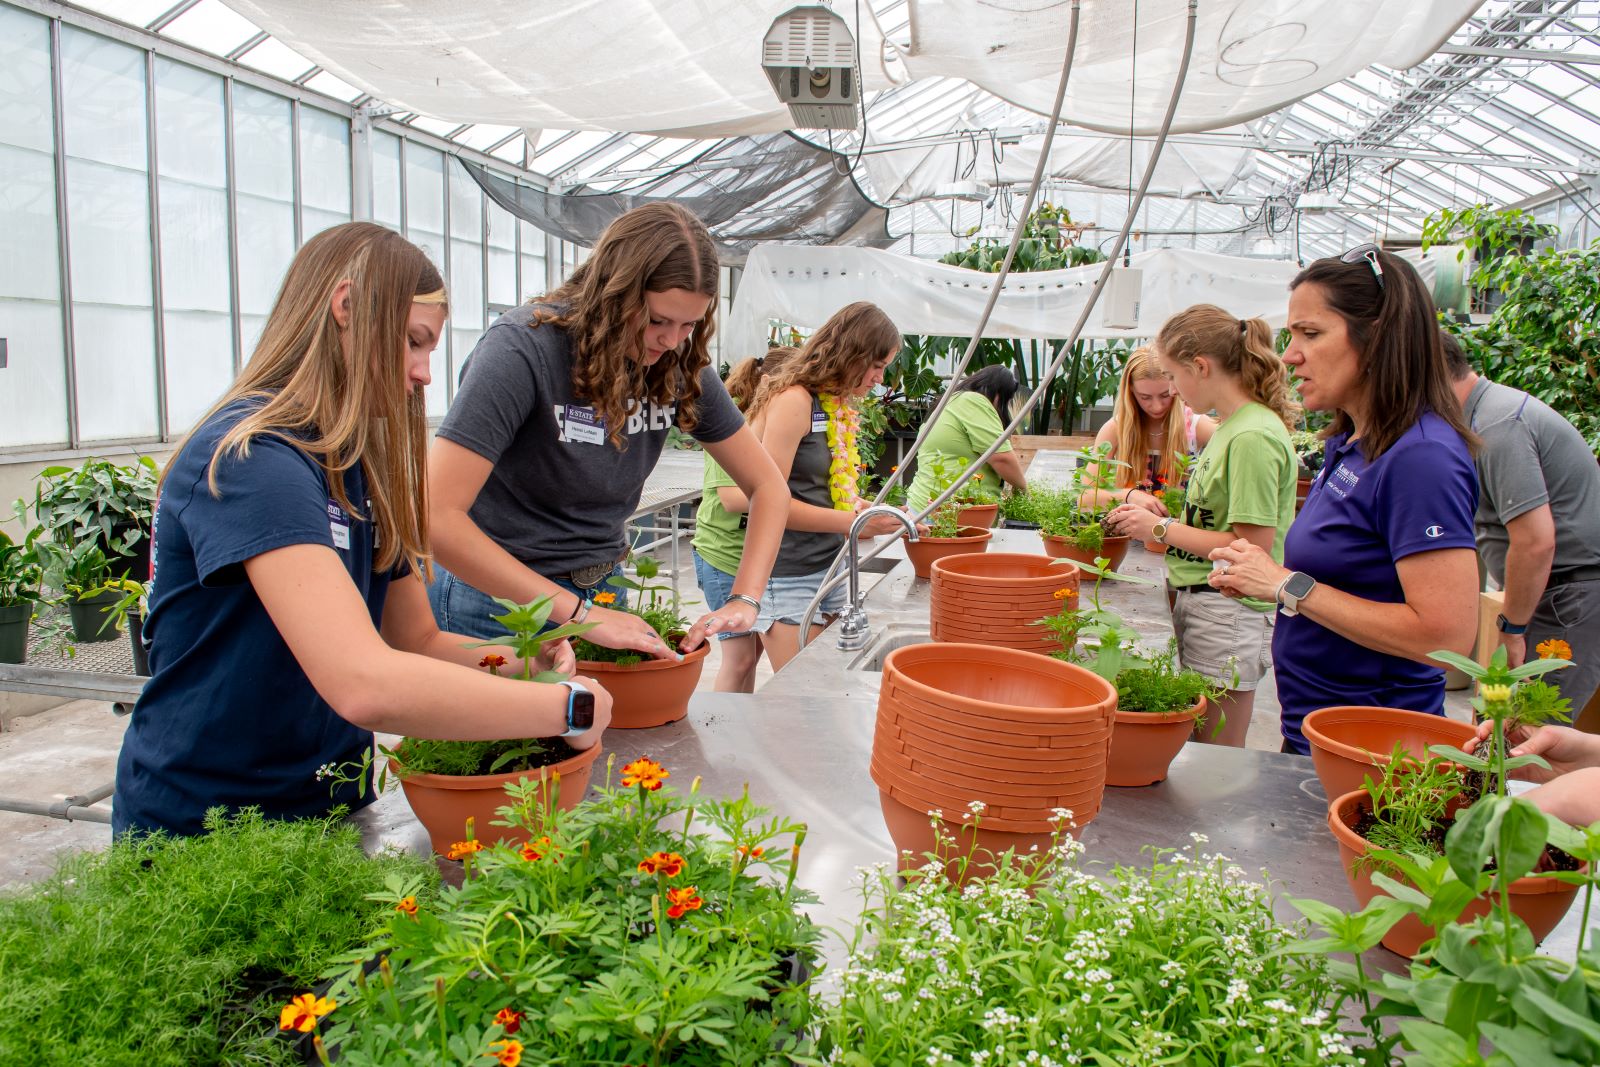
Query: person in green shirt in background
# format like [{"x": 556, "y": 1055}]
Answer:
[
  {"x": 719, "y": 533},
  {"x": 1242, "y": 486},
  {"x": 972, "y": 421}
]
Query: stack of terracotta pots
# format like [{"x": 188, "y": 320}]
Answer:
[
  {"x": 997, "y": 599},
  {"x": 1018, "y": 736}
]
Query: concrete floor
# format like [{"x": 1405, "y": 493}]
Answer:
[{"x": 68, "y": 749}]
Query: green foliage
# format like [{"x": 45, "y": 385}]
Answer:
[
  {"x": 1490, "y": 234},
  {"x": 1411, "y": 804},
  {"x": 423, "y": 755},
  {"x": 1177, "y": 962},
  {"x": 20, "y": 572},
  {"x": 569, "y": 931},
  {"x": 1308, "y": 451},
  {"x": 946, "y": 471},
  {"x": 1110, "y": 652},
  {"x": 164, "y": 951},
  {"x": 1158, "y": 684},
  {"x": 657, "y": 603},
  {"x": 525, "y": 626},
  {"x": 77, "y": 570},
  {"x": 98, "y": 503}
]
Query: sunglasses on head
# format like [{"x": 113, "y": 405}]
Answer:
[{"x": 1368, "y": 252}]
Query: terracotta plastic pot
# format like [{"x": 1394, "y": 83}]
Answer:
[
  {"x": 651, "y": 693},
  {"x": 1302, "y": 486},
  {"x": 979, "y": 515},
  {"x": 443, "y": 803},
  {"x": 1539, "y": 902},
  {"x": 994, "y": 598},
  {"x": 1143, "y": 745},
  {"x": 924, "y": 550},
  {"x": 1350, "y": 743},
  {"x": 1114, "y": 549},
  {"x": 1158, "y": 547}
]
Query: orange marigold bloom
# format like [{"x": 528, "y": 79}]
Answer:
[
  {"x": 303, "y": 1011},
  {"x": 667, "y": 863},
  {"x": 605, "y": 599},
  {"x": 462, "y": 849},
  {"x": 537, "y": 850},
  {"x": 1554, "y": 648},
  {"x": 494, "y": 661},
  {"x": 752, "y": 853},
  {"x": 407, "y": 905},
  {"x": 1062, "y": 594},
  {"x": 682, "y": 901},
  {"x": 509, "y": 1020},
  {"x": 646, "y": 772},
  {"x": 509, "y": 1053}
]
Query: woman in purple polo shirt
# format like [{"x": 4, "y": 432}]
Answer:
[{"x": 1379, "y": 567}]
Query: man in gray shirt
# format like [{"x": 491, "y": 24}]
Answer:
[{"x": 1538, "y": 526}]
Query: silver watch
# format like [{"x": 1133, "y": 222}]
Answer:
[{"x": 1294, "y": 589}]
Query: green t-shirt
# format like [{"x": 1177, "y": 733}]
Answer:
[
  {"x": 1246, "y": 474},
  {"x": 968, "y": 425},
  {"x": 718, "y": 532}
]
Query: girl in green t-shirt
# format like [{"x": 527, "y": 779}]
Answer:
[
  {"x": 970, "y": 423},
  {"x": 1243, "y": 485}
]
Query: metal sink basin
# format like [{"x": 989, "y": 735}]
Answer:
[{"x": 891, "y": 638}]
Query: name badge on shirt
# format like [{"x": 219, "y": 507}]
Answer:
[
  {"x": 584, "y": 426},
  {"x": 338, "y": 526},
  {"x": 819, "y": 421}
]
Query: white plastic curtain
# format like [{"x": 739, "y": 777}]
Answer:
[
  {"x": 691, "y": 68},
  {"x": 804, "y": 285}
]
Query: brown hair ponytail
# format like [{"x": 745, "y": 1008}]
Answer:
[
  {"x": 746, "y": 377},
  {"x": 1241, "y": 348}
]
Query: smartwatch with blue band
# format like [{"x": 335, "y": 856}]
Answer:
[
  {"x": 580, "y": 709},
  {"x": 1506, "y": 626}
]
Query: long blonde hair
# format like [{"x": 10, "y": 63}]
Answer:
[
  {"x": 650, "y": 249},
  {"x": 1142, "y": 367},
  {"x": 1241, "y": 349},
  {"x": 836, "y": 356},
  {"x": 345, "y": 404}
]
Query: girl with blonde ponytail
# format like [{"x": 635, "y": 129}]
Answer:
[{"x": 1242, "y": 486}]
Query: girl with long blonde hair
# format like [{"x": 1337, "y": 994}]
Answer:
[
  {"x": 1149, "y": 428},
  {"x": 1242, "y": 487},
  {"x": 564, "y": 407},
  {"x": 287, "y": 616}
]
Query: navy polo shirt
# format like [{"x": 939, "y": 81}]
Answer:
[
  {"x": 1360, "y": 518},
  {"x": 228, "y": 717}
]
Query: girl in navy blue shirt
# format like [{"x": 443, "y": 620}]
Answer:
[
  {"x": 1379, "y": 566},
  {"x": 288, "y": 619}
]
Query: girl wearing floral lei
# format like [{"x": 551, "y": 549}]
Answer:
[{"x": 806, "y": 417}]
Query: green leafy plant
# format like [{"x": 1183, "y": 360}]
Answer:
[
  {"x": 1412, "y": 805},
  {"x": 1113, "y": 639},
  {"x": 1308, "y": 451},
  {"x": 165, "y": 950},
  {"x": 1157, "y": 684},
  {"x": 99, "y": 503},
  {"x": 78, "y": 570},
  {"x": 1492, "y": 235},
  {"x": 641, "y": 927},
  {"x": 20, "y": 572},
  {"x": 946, "y": 471},
  {"x": 1178, "y": 961},
  {"x": 131, "y": 602},
  {"x": 657, "y": 603}
]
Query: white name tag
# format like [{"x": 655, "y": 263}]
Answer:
[
  {"x": 338, "y": 526},
  {"x": 819, "y": 422},
  {"x": 584, "y": 426}
]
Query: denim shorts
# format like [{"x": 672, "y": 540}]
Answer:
[
  {"x": 459, "y": 608},
  {"x": 786, "y": 598},
  {"x": 717, "y": 585}
]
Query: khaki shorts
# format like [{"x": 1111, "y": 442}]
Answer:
[{"x": 1218, "y": 635}]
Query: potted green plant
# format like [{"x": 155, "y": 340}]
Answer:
[
  {"x": 1019, "y": 509},
  {"x": 1309, "y": 455},
  {"x": 1072, "y": 531},
  {"x": 80, "y": 572},
  {"x": 642, "y": 926},
  {"x": 645, "y": 692},
  {"x": 103, "y": 504},
  {"x": 951, "y": 531},
  {"x": 20, "y": 576},
  {"x": 127, "y": 614}
]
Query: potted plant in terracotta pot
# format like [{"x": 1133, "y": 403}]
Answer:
[
  {"x": 995, "y": 598},
  {"x": 1074, "y": 532},
  {"x": 964, "y": 729},
  {"x": 645, "y": 692},
  {"x": 950, "y": 531},
  {"x": 1350, "y": 744}
]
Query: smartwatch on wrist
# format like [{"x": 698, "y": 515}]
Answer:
[
  {"x": 580, "y": 709},
  {"x": 1294, "y": 589},
  {"x": 1506, "y": 626},
  {"x": 1159, "y": 530}
]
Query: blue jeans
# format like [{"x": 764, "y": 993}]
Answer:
[
  {"x": 459, "y": 608},
  {"x": 717, "y": 585}
]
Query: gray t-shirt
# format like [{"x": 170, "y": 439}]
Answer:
[
  {"x": 1532, "y": 456},
  {"x": 560, "y": 494}
]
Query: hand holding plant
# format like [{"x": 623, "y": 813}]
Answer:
[{"x": 656, "y": 604}]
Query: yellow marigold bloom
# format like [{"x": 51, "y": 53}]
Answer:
[
  {"x": 509, "y": 1053},
  {"x": 303, "y": 1011},
  {"x": 1062, "y": 594},
  {"x": 408, "y": 905},
  {"x": 1554, "y": 648},
  {"x": 605, "y": 599},
  {"x": 1495, "y": 694},
  {"x": 646, "y": 772},
  {"x": 462, "y": 849}
]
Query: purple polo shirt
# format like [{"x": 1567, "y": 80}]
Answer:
[{"x": 1360, "y": 518}]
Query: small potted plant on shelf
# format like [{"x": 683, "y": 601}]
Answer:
[
  {"x": 20, "y": 576},
  {"x": 949, "y": 531},
  {"x": 79, "y": 572},
  {"x": 101, "y": 503},
  {"x": 1309, "y": 454},
  {"x": 642, "y": 926},
  {"x": 127, "y": 614},
  {"x": 645, "y": 692}
]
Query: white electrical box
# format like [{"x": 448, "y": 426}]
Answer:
[
  {"x": 1119, "y": 303},
  {"x": 809, "y": 55}
]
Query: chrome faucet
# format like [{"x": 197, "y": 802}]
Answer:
[{"x": 853, "y": 626}]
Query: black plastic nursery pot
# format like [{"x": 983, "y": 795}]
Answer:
[
  {"x": 141, "y": 657},
  {"x": 14, "y": 620},
  {"x": 1018, "y": 524},
  {"x": 90, "y": 623}
]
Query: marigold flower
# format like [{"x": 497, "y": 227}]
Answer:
[
  {"x": 1554, "y": 648},
  {"x": 508, "y": 1019},
  {"x": 494, "y": 661},
  {"x": 682, "y": 901},
  {"x": 605, "y": 599},
  {"x": 646, "y": 772},
  {"x": 509, "y": 1053},
  {"x": 752, "y": 853},
  {"x": 1062, "y": 594},
  {"x": 1495, "y": 694},
  {"x": 667, "y": 863},
  {"x": 537, "y": 850},
  {"x": 462, "y": 849},
  {"x": 303, "y": 1011},
  {"x": 408, "y": 905}
]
